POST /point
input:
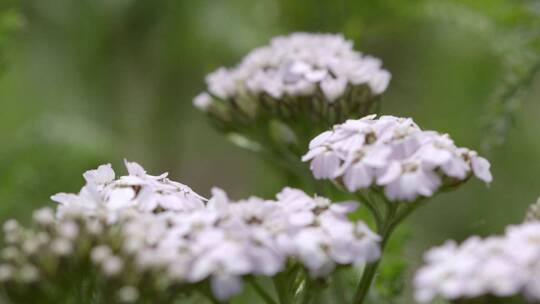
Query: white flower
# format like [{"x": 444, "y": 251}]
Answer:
[
  {"x": 68, "y": 229},
  {"x": 501, "y": 266},
  {"x": 326, "y": 237},
  {"x": 6, "y": 272},
  {"x": 221, "y": 84},
  {"x": 324, "y": 164},
  {"x": 29, "y": 273},
  {"x": 379, "y": 81},
  {"x": 310, "y": 246},
  {"x": 224, "y": 257},
  {"x": 203, "y": 101},
  {"x": 62, "y": 247},
  {"x": 392, "y": 153},
  {"x": 333, "y": 88},
  {"x": 112, "y": 265},
  {"x": 100, "y": 253},
  {"x": 407, "y": 181},
  {"x": 138, "y": 190},
  {"x": 44, "y": 216},
  {"x": 128, "y": 294},
  {"x": 10, "y": 225},
  {"x": 150, "y": 227},
  {"x": 480, "y": 167},
  {"x": 102, "y": 175},
  {"x": 225, "y": 286},
  {"x": 295, "y": 65}
]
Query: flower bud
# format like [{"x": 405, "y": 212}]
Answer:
[
  {"x": 112, "y": 265},
  {"x": 6, "y": 272},
  {"x": 44, "y": 216},
  {"x": 68, "y": 230},
  {"x": 62, "y": 247},
  {"x": 128, "y": 294},
  {"x": 28, "y": 273},
  {"x": 100, "y": 254}
]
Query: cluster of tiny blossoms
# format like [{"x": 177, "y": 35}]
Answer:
[
  {"x": 315, "y": 79},
  {"x": 296, "y": 65},
  {"x": 140, "y": 226},
  {"x": 502, "y": 266},
  {"x": 395, "y": 154}
]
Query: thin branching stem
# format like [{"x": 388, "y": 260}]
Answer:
[
  {"x": 373, "y": 209},
  {"x": 261, "y": 292},
  {"x": 396, "y": 212},
  {"x": 281, "y": 286}
]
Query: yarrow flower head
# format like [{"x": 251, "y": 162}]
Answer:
[
  {"x": 300, "y": 80},
  {"x": 502, "y": 266},
  {"x": 393, "y": 154},
  {"x": 298, "y": 64},
  {"x": 140, "y": 226},
  {"x": 137, "y": 190}
]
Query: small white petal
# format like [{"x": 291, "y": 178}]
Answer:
[
  {"x": 480, "y": 167},
  {"x": 224, "y": 286}
]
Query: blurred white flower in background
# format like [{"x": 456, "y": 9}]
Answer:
[
  {"x": 142, "y": 224},
  {"x": 296, "y": 65},
  {"x": 501, "y": 266}
]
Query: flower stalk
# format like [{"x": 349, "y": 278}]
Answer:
[
  {"x": 265, "y": 296},
  {"x": 395, "y": 213}
]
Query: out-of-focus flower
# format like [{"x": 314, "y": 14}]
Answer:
[
  {"x": 299, "y": 65},
  {"x": 141, "y": 226},
  {"x": 297, "y": 85},
  {"x": 533, "y": 214},
  {"x": 394, "y": 154},
  {"x": 500, "y": 266}
]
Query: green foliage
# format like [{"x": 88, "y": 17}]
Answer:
[
  {"x": 511, "y": 29},
  {"x": 10, "y": 21},
  {"x": 87, "y": 82}
]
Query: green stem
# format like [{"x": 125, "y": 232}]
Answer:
[
  {"x": 212, "y": 299},
  {"x": 306, "y": 298},
  {"x": 339, "y": 290},
  {"x": 371, "y": 269},
  {"x": 365, "y": 283},
  {"x": 395, "y": 214},
  {"x": 260, "y": 290},
  {"x": 207, "y": 293},
  {"x": 373, "y": 209},
  {"x": 280, "y": 284}
]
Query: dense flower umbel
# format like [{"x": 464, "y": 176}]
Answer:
[
  {"x": 392, "y": 153},
  {"x": 500, "y": 266},
  {"x": 140, "y": 227},
  {"x": 307, "y": 82},
  {"x": 298, "y": 65}
]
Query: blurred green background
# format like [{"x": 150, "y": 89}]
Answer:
[{"x": 85, "y": 82}]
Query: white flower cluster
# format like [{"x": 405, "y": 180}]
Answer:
[
  {"x": 393, "y": 153},
  {"x": 501, "y": 266},
  {"x": 226, "y": 240},
  {"x": 298, "y": 65},
  {"x": 58, "y": 251},
  {"x": 138, "y": 190},
  {"x": 165, "y": 227}
]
